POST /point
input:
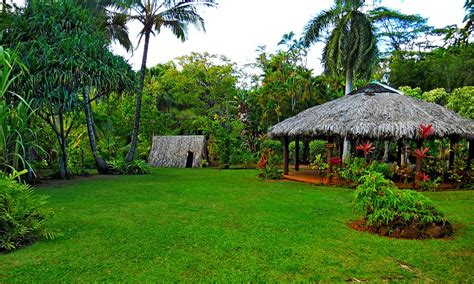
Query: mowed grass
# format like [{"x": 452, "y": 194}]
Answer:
[{"x": 216, "y": 225}]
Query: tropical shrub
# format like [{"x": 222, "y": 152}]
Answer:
[
  {"x": 383, "y": 205},
  {"x": 354, "y": 169},
  {"x": 135, "y": 167},
  {"x": 461, "y": 101},
  {"x": 268, "y": 166},
  {"x": 16, "y": 135},
  {"x": 429, "y": 184},
  {"x": 319, "y": 164},
  {"x": 317, "y": 147},
  {"x": 23, "y": 216}
]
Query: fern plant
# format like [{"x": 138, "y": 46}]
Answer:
[
  {"x": 23, "y": 216},
  {"x": 135, "y": 167},
  {"x": 384, "y": 205}
]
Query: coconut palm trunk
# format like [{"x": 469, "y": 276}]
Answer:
[
  {"x": 138, "y": 108},
  {"x": 99, "y": 162},
  {"x": 346, "y": 149}
]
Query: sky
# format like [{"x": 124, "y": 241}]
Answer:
[{"x": 238, "y": 27}]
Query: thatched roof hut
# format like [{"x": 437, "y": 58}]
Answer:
[
  {"x": 374, "y": 111},
  {"x": 178, "y": 151}
]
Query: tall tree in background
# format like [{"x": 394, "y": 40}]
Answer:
[
  {"x": 350, "y": 47},
  {"x": 400, "y": 31},
  {"x": 113, "y": 24},
  {"x": 468, "y": 28},
  {"x": 115, "y": 28},
  {"x": 154, "y": 15},
  {"x": 65, "y": 55}
]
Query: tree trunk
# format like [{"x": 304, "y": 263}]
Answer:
[
  {"x": 346, "y": 152},
  {"x": 386, "y": 150},
  {"x": 99, "y": 162},
  {"x": 63, "y": 167},
  {"x": 138, "y": 108}
]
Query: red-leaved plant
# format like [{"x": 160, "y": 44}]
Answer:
[
  {"x": 423, "y": 177},
  {"x": 263, "y": 160},
  {"x": 426, "y": 131},
  {"x": 366, "y": 148},
  {"x": 422, "y": 152},
  {"x": 335, "y": 161}
]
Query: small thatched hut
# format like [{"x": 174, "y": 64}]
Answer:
[
  {"x": 178, "y": 151},
  {"x": 374, "y": 111}
]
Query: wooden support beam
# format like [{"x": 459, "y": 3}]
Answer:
[
  {"x": 399, "y": 152},
  {"x": 286, "y": 155},
  {"x": 470, "y": 156},
  {"x": 329, "y": 152},
  {"x": 297, "y": 154}
]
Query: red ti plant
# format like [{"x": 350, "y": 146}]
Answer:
[
  {"x": 422, "y": 153},
  {"x": 423, "y": 177},
  {"x": 426, "y": 130},
  {"x": 335, "y": 161},
  {"x": 366, "y": 148},
  {"x": 263, "y": 160}
]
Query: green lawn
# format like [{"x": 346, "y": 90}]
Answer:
[{"x": 216, "y": 225}]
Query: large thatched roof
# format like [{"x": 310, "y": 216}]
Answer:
[
  {"x": 177, "y": 151},
  {"x": 374, "y": 111}
]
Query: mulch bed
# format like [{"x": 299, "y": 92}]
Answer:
[
  {"x": 443, "y": 231},
  {"x": 50, "y": 182}
]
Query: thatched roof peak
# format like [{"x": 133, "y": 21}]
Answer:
[
  {"x": 375, "y": 88},
  {"x": 374, "y": 111}
]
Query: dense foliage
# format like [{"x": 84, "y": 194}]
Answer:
[
  {"x": 66, "y": 55},
  {"x": 76, "y": 119},
  {"x": 23, "y": 217},
  {"x": 447, "y": 68},
  {"x": 384, "y": 205}
]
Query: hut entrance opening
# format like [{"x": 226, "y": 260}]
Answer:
[{"x": 190, "y": 159}]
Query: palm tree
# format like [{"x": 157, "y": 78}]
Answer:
[
  {"x": 351, "y": 43},
  {"x": 114, "y": 25},
  {"x": 153, "y": 16}
]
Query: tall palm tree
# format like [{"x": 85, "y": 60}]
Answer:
[
  {"x": 154, "y": 15},
  {"x": 114, "y": 25},
  {"x": 350, "y": 47}
]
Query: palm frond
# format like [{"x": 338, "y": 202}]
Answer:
[{"x": 320, "y": 23}]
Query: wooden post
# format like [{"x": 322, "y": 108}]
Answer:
[
  {"x": 386, "y": 150},
  {"x": 286, "y": 155},
  {"x": 329, "y": 150},
  {"x": 297, "y": 153},
  {"x": 399, "y": 152},
  {"x": 470, "y": 156},
  {"x": 453, "y": 141}
]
